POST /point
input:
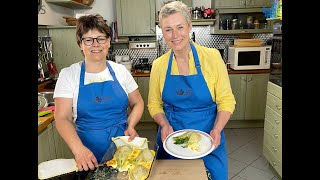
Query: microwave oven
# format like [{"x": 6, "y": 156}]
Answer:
[{"x": 248, "y": 58}]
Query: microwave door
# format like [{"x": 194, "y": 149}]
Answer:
[{"x": 249, "y": 58}]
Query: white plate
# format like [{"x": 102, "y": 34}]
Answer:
[{"x": 205, "y": 145}]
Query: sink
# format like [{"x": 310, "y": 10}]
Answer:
[
  {"x": 48, "y": 96},
  {"x": 277, "y": 81}
]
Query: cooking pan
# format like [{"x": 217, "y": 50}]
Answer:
[{"x": 105, "y": 172}]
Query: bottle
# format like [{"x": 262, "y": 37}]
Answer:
[
  {"x": 228, "y": 24},
  {"x": 193, "y": 37},
  {"x": 220, "y": 24},
  {"x": 234, "y": 24},
  {"x": 241, "y": 24}
]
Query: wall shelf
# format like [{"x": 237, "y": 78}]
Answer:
[
  {"x": 69, "y": 4},
  {"x": 238, "y": 10},
  {"x": 199, "y": 22},
  {"x": 237, "y": 31}
]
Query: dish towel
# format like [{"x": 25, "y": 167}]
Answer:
[
  {"x": 137, "y": 142},
  {"x": 56, "y": 167}
]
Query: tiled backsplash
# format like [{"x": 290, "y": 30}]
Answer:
[{"x": 202, "y": 37}]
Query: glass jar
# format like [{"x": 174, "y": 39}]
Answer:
[{"x": 234, "y": 24}]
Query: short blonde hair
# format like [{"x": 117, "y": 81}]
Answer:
[{"x": 173, "y": 7}]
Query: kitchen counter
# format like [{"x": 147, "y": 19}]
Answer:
[
  {"x": 44, "y": 121},
  {"x": 178, "y": 169},
  {"x": 174, "y": 169},
  {"x": 230, "y": 71}
]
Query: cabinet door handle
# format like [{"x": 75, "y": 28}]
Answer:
[
  {"x": 278, "y": 107},
  {"x": 242, "y": 2},
  {"x": 277, "y": 121},
  {"x": 274, "y": 149},
  {"x": 250, "y": 79},
  {"x": 243, "y": 78},
  {"x": 273, "y": 163},
  {"x": 248, "y": 3},
  {"x": 276, "y": 136}
]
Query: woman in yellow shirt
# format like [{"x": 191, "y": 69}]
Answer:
[{"x": 190, "y": 88}]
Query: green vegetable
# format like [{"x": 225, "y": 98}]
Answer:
[
  {"x": 187, "y": 134},
  {"x": 181, "y": 140},
  {"x": 188, "y": 139}
]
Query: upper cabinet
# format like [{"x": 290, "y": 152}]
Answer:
[
  {"x": 187, "y": 2},
  {"x": 136, "y": 18},
  {"x": 219, "y": 4},
  {"x": 241, "y": 16},
  {"x": 69, "y": 4}
]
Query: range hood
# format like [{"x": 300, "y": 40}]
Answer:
[{"x": 142, "y": 42}]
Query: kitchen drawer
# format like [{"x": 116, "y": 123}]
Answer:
[
  {"x": 273, "y": 131},
  {"x": 273, "y": 117},
  {"x": 274, "y": 89},
  {"x": 275, "y": 147},
  {"x": 273, "y": 160},
  {"x": 274, "y": 103}
]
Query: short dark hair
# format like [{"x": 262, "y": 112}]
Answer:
[{"x": 90, "y": 22}]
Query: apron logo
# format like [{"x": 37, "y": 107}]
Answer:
[
  {"x": 181, "y": 92},
  {"x": 102, "y": 99}
]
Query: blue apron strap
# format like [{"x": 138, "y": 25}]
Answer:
[
  {"x": 196, "y": 58},
  {"x": 82, "y": 72}
]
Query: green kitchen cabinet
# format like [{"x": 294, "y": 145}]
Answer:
[
  {"x": 61, "y": 147},
  {"x": 69, "y": 4},
  {"x": 187, "y": 2},
  {"x": 143, "y": 83},
  {"x": 219, "y": 4},
  {"x": 46, "y": 148},
  {"x": 250, "y": 91},
  {"x": 136, "y": 18},
  {"x": 239, "y": 94}
]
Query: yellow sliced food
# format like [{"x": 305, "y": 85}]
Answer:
[
  {"x": 138, "y": 173},
  {"x": 188, "y": 139},
  {"x": 134, "y": 159}
]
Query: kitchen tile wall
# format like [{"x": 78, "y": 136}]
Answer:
[{"x": 202, "y": 37}]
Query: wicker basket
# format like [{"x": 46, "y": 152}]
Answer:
[
  {"x": 87, "y": 2},
  {"x": 71, "y": 21}
]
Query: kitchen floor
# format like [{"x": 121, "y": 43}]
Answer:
[{"x": 245, "y": 159}]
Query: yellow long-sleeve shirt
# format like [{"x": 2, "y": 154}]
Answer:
[{"x": 214, "y": 72}]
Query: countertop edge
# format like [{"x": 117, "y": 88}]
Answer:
[{"x": 45, "y": 121}]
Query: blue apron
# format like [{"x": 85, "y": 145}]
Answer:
[
  {"x": 188, "y": 105},
  {"x": 102, "y": 113}
]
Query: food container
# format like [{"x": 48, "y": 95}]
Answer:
[
  {"x": 105, "y": 172},
  {"x": 87, "y": 2},
  {"x": 71, "y": 21}
]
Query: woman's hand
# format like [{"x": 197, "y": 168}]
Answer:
[
  {"x": 216, "y": 136},
  {"x": 85, "y": 159},
  {"x": 165, "y": 131},
  {"x": 132, "y": 133}
]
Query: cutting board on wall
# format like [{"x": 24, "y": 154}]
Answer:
[{"x": 178, "y": 169}]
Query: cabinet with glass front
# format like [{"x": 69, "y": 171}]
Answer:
[{"x": 241, "y": 21}]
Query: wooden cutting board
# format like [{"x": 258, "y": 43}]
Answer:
[
  {"x": 178, "y": 169},
  {"x": 247, "y": 42}
]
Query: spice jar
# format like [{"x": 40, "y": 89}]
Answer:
[
  {"x": 256, "y": 24},
  {"x": 234, "y": 24},
  {"x": 249, "y": 22}
]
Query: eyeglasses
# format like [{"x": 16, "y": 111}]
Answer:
[{"x": 89, "y": 40}]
